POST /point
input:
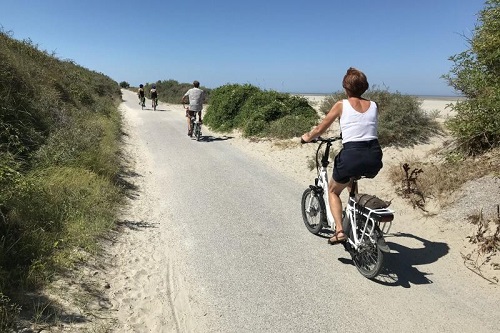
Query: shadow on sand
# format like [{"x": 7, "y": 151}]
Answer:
[
  {"x": 399, "y": 265},
  {"x": 210, "y": 138},
  {"x": 157, "y": 109},
  {"x": 135, "y": 225}
]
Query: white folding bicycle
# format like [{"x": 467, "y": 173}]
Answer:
[{"x": 364, "y": 227}]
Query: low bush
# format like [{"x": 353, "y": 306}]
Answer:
[
  {"x": 277, "y": 115},
  {"x": 476, "y": 127},
  {"x": 402, "y": 122},
  {"x": 259, "y": 113},
  {"x": 225, "y": 104},
  {"x": 171, "y": 91}
]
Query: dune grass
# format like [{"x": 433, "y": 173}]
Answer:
[
  {"x": 59, "y": 168},
  {"x": 438, "y": 179}
]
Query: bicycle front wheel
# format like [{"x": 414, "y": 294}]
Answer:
[
  {"x": 313, "y": 211},
  {"x": 368, "y": 258}
]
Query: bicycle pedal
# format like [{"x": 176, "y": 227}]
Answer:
[{"x": 382, "y": 245}]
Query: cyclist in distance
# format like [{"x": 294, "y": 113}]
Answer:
[
  {"x": 361, "y": 154},
  {"x": 196, "y": 98},
  {"x": 140, "y": 94},
  {"x": 153, "y": 94}
]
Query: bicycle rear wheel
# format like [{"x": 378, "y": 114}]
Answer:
[
  {"x": 368, "y": 258},
  {"x": 313, "y": 211},
  {"x": 197, "y": 133}
]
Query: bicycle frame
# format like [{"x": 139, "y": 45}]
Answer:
[
  {"x": 353, "y": 213},
  {"x": 322, "y": 180}
]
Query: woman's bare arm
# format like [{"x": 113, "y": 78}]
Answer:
[{"x": 334, "y": 113}]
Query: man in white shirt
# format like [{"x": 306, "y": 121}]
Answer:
[{"x": 196, "y": 98}]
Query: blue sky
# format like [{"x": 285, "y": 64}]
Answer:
[{"x": 291, "y": 46}]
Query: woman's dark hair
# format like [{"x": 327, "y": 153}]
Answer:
[{"x": 355, "y": 82}]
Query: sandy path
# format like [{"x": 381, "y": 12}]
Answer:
[
  {"x": 152, "y": 287},
  {"x": 148, "y": 288}
]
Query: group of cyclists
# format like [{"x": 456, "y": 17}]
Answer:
[
  {"x": 194, "y": 97},
  {"x": 153, "y": 94}
]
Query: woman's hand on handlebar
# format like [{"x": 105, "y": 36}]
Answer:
[{"x": 305, "y": 139}]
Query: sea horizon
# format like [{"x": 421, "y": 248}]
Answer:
[{"x": 432, "y": 97}]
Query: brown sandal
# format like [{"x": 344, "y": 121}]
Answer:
[{"x": 336, "y": 239}]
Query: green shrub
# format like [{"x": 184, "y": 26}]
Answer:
[
  {"x": 124, "y": 85},
  {"x": 476, "y": 74},
  {"x": 225, "y": 104},
  {"x": 291, "y": 126},
  {"x": 274, "y": 114},
  {"x": 171, "y": 91},
  {"x": 476, "y": 127},
  {"x": 259, "y": 113},
  {"x": 402, "y": 122}
]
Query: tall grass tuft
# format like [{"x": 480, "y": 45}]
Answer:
[{"x": 56, "y": 210}]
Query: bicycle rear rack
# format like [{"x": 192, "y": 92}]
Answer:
[{"x": 382, "y": 217}]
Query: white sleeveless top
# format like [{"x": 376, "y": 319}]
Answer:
[{"x": 357, "y": 126}]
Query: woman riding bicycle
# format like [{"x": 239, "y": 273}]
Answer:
[
  {"x": 153, "y": 94},
  {"x": 361, "y": 154},
  {"x": 140, "y": 94}
]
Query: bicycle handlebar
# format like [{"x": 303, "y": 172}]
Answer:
[{"x": 320, "y": 139}]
